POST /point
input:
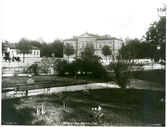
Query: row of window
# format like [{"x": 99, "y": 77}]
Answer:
[
  {"x": 86, "y": 43},
  {"x": 83, "y": 45},
  {"x": 33, "y": 53},
  {"x": 99, "y": 44}
]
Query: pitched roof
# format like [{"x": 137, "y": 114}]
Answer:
[
  {"x": 13, "y": 46},
  {"x": 106, "y": 37},
  {"x": 35, "y": 48},
  {"x": 71, "y": 39},
  {"x": 88, "y": 35}
]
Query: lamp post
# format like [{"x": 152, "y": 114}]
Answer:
[{"x": 158, "y": 48}]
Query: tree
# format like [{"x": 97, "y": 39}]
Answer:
[
  {"x": 88, "y": 52},
  {"x": 106, "y": 51},
  {"x": 155, "y": 36},
  {"x": 122, "y": 67},
  {"x": 145, "y": 50},
  {"x": 97, "y": 69},
  {"x": 3, "y": 48},
  {"x": 45, "y": 50},
  {"x": 57, "y": 48},
  {"x": 36, "y": 43},
  {"x": 62, "y": 67},
  {"x": 34, "y": 68},
  {"x": 24, "y": 47},
  {"x": 87, "y": 57},
  {"x": 132, "y": 49},
  {"x": 46, "y": 63},
  {"x": 69, "y": 50}
]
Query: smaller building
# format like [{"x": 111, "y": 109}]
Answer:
[{"x": 10, "y": 52}]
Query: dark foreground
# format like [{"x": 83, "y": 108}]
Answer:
[{"x": 120, "y": 107}]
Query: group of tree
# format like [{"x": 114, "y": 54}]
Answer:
[
  {"x": 122, "y": 66},
  {"x": 151, "y": 46},
  {"x": 155, "y": 36},
  {"x": 56, "y": 48},
  {"x": 87, "y": 64},
  {"x": 24, "y": 46},
  {"x": 141, "y": 49}
]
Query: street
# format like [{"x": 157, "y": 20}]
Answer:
[{"x": 137, "y": 84}]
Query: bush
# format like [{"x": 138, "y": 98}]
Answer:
[
  {"x": 94, "y": 68},
  {"x": 121, "y": 73},
  {"x": 62, "y": 67},
  {"x": 98, "y": 71},
  {"x": 34, "y": 68}
]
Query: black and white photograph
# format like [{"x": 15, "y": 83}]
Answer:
[{"x": 83, "y": 62}]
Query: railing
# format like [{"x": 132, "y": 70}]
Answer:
[{"x": 23, "y": 88}]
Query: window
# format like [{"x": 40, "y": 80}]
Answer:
[
  {"x": 34, "y": 53},
  {"x": 37, "y": 52},
  {"x": 99, "y": 45},
  {"x": 87, "y": 44},
  {"x": 82, "y": 45},
  {"x": 91, "y": 44}
]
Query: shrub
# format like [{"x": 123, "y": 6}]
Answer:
[
  {"x": 34, "y": 68},
  {"x": 62, "y": 67},
  {"x": 98, "y": 70},
  {"x": 121, "y": 73}
]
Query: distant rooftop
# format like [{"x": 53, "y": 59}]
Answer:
[
  {"x": 89, "y": 35},
  {"x": 13, "y": 46}
]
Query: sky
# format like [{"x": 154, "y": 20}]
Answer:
[{"x": 63, "y": 19}]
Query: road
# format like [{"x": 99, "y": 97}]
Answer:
[
  {"x": 8, "y": 95},
  {"x": 153, "y": 66},
  {"x": 137, "y": 84}
]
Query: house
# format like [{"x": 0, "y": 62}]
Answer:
[
  {"x": 98, "y": 41},
  {"x": 10, "y": 52}
]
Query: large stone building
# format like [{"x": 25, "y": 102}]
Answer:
[{"x": 98, "y": 41}]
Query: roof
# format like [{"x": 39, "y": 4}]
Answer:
[
  {"x": 35, "y": 48},
  {"x": 107, "y": 37},
  {"x": 13, "y": 46},
  {"x": 71, "y": 39},
  {"x": 89, "y": 35}
]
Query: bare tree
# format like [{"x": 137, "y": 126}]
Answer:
[{"x": 122, "y": 67}]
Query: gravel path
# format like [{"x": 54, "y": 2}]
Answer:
[{"x": 137, "y": 84}]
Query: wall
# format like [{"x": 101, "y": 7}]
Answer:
[{"x": 35, "y": 54}]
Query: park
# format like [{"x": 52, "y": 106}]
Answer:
[
  {"x": 86, "y": 80},
  {"x": 72, "y": 102}
]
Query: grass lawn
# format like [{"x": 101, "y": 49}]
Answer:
[
  {"x": 120, "y": 107},
  {"x": 151, "y": 75}
]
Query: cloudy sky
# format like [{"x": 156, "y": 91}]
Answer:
[{"x": 51, "y": 19}]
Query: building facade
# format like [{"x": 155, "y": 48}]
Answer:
[
  {"x": 10, "y": 51},
  {"x": 97, "y": 41}
]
